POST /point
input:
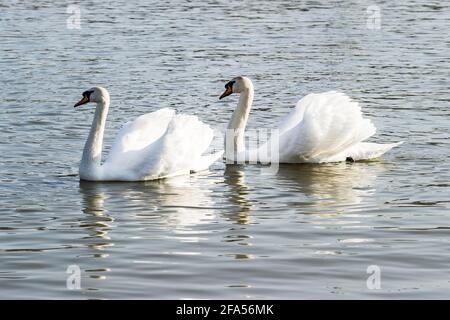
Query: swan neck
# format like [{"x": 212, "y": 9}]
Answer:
[
  {"x": 92, "y": 153},
  {"x": 238, "y": 122},
  {"x": 240, "y": 115}
]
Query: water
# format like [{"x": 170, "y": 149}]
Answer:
[{"x": 310, "y": 231}]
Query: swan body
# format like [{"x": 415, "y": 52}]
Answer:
[
  {"x": 323, "y": 127},
  {"x": 156, "y": 145}
]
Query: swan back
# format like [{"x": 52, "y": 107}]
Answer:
[
  {"x": 137, "y": 135},
  {"x": 158, "y": 145}
]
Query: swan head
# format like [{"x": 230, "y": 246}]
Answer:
[
  {"x": 236, "y": 85},
  {"x": 95, "y": 94}
]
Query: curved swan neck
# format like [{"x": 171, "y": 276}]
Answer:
[
  {"x": 240, "y": 115},
  {"x": 92, "y": 153},
  {"x": 239, "y": 118}
]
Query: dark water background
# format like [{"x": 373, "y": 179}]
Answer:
[{"x": 310, "y": 231}]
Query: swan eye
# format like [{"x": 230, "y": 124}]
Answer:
[
  {"x": 87, "y": 93},
  {"x": 229, "y": 84}
]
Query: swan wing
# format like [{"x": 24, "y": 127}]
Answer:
[
  {"x": 321, "y": 126},
  {"x": 160, "y": 145},
  {"x": 364, "y": 151},
  {"x": 137, "y": 135},
  {"x": 180, "y": 150}
]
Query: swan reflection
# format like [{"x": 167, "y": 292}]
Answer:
[
  {"x": 96, "y": 221},
  {"x": 177, "y": 203},
  {"x": 302, "y": 185},
  {"x": 335, "y": 186},
  {"x": 182, "y": 205},
  {"x": 238, "y": 195}
]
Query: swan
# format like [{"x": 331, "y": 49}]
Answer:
[
  {"x": 323, "y": 127},
  {"x": 155, "y": 145}
]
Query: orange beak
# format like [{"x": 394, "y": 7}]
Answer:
[
  {"x": 227, "y": 92},
  {"x": 83, "y": 100}
]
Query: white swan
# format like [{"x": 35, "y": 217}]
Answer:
[
  {"x": 323, "y": 127},
  {"x": 156, "y": 145}
]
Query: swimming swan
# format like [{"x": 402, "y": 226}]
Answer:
[
  {"x": 323, "y": 127},
  {"x": 155, "y": 145}
]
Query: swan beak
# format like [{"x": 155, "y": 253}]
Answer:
[
  {"x": 228, "y": 91},
  {"x": 83, "y": 100}
]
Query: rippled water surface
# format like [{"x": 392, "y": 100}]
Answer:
[{"x": 310, "y": 231}]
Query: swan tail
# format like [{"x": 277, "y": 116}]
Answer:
[
  {"x": 206, "y": 161},
  {"x": 367, "y": 150},
  {"x": 362, "y": 151}
]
